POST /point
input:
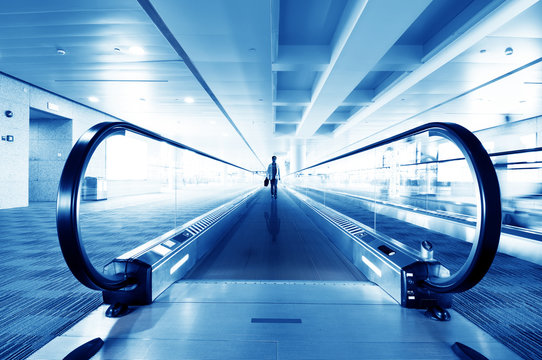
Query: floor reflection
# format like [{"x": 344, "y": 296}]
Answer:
[{"x": 272, "y": 220}]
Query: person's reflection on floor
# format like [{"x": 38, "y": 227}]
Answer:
[{"x": 273, "y": 221}]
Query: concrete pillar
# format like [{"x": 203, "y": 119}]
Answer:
[{"x": 298, "y": 151}]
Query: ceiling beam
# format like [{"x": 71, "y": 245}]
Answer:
[
  {"x": 467, "y": 18},
  {"x": 287, "y": 117},
  {"x": 338, "y": 117},
  {"x": 292, "y": 97},
  {"x": 377, "y": 25},
  {"x": 301, "y": 58},
  {"x": 401, "y": 58},
  {"x": 359, "y": 98},
  {"x": 458, "y": 45},
  {"x": 393, "y": 79}
]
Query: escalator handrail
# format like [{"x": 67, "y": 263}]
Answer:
[
  {"x": 68, "y": 201},
  {"x": 488, "y": 224}
]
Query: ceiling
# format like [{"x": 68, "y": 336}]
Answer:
[{"x": 302, "y": 79}]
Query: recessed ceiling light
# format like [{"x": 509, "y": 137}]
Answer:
[
  {"x": 61, "y": 51},
  {"x": 93, "y": 99},
  {"x": 482, "y": 51},
  {"x": 508, "y": 51},
  {"x": 136, "y": 50},
  {"x": 117, "y": 50},
  {"x": 142, "y": 99},
  {"x": 189, "y": 100}
]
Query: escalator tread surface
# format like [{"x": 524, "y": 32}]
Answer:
[{"x": 275, "y": 240}]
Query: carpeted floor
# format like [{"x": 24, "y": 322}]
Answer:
[
  {"x": 505, "y": 304},
  {"x": 39, "y": 297}
]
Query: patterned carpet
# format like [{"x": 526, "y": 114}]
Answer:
[
  {"x": 505, "y": 304},
  {"x": 39, "y": 297}
]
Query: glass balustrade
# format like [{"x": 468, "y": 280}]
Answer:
[
  {"x": 420, "y": 181},
  {"x": 136, "y": 189}
]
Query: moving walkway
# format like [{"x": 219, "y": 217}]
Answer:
[{"x": 253, "y": 255}]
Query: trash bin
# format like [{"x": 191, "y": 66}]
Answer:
[{"x": 94, "y": 188}]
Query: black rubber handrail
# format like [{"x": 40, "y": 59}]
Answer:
[
  {"x": 488, "y": 224},
  {"x": 68, "y": 201}
]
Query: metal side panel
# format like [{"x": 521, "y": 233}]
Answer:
[
  {"x": 397, "y": 271},
  {"x": 381, "y": 267},
  {"x": 172, "y": 255}
]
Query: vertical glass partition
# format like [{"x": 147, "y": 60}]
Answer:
[
  {"x": 136, "y": 189},
  {"x": 516, "y": 151},
  {"x": 418, "y": 188}
]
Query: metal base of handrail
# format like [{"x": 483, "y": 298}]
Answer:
[
  {"x": 160, "y": 262},
  {"x": 399, "y": 272}
]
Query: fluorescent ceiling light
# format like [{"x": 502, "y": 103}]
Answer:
[
  {"x": 93, "y": 99},
  {"x": 136, "y": 50},
  {"x": 189, "y": 100}
]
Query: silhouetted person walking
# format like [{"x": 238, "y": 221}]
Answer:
[{"x": 273, "y": 174}]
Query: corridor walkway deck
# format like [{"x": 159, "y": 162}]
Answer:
[{"x": 275, "y": 240}]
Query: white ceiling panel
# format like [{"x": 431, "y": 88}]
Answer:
[{"x": 281, "y": 67}]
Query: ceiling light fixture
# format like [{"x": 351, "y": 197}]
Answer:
[
  {"x": 136, "y": 50},
  {"x": 61, "y": 51},
  {"x": 117, "y": 50},
  {"x": 189, "y": 100},
  {"x": 483, "y": 51},
  {"x": 508, "y": 51},
  {"x": 93, "y": 99}
]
